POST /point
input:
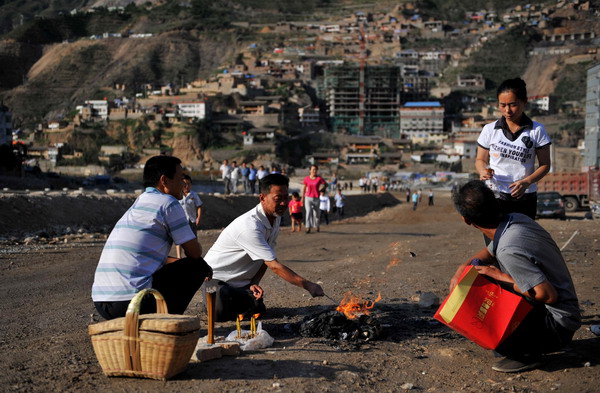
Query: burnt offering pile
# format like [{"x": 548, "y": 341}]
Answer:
[
  {"x": 351, "y": 321},
  {"x": 334, "y": 325}
]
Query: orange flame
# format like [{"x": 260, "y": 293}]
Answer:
[
  {"x": 352, "y": 306},
  {"x": 255, "y": 316}
]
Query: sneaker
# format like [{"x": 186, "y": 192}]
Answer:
[{"x": 508, "y": 365}]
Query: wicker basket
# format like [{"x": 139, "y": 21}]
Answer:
[{"x": 156, "y": 346}]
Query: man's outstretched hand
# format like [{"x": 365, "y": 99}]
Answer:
[{"x": 314, "y": 289}]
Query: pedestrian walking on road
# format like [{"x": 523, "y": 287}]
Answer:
[
  {"x": 226, "y": 176},
  {"x": 324, "y": 206},
  {"x": 339, "y": 204},
  {"x": 312, "y": 186}
]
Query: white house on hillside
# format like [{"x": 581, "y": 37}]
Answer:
[
  {"x": 192, "y": 109},
  {"x": 465, "y": 148},
  {"x": 540, "y": 102},
  {"x": 99, "y": 108}
]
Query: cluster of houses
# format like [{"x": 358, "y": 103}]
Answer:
[{"x": 260, "y": 96}]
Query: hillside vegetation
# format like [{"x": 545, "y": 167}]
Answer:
[{"x": 504, "y": 57}]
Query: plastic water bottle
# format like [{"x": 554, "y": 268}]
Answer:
[{"x": 491, "y": 183}]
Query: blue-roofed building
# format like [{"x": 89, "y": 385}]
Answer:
[
  {"x": 423, "y": 122},
  {"x": 422, "y": 104}
]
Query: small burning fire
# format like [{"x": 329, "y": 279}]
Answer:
[{"x": 352, "y": 306}]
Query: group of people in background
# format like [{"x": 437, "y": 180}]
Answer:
[
  {"x": 416, "y": 197},
  {"x": 244, "y": 176},
  {"x": 307, "y": 209},
  {"x": 375, "y": 184},
  {"x": 368, "y": 184}
]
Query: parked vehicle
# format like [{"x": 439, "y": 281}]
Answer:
[
  {"x": 595, "y": 208},
  {"x": 550, "y": 205},
  {"x": 576, "y": 188}
]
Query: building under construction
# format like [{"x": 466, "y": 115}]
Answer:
[{"x": 362, "y": 99}]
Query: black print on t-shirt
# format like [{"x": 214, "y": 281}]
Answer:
[
  {"x": 517, "y": 153},
  {"x": 527, "y": 141}
]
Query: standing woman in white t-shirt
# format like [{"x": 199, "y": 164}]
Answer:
[{"x": 507, "y": 151}]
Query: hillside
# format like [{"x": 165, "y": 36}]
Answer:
[
  {"x": 68, "y": 73},
  {"x": 49, "y": 64},
  {"x": 539, "y": 72}
]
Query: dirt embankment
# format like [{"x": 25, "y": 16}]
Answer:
[
  {"x": 539, "y": 74},
  {"x": 54, "y": 214}
]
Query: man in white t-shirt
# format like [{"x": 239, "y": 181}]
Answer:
[
  {"x": 246, "y": 248},
  {"x": 192, "y": 207},
  {"x": 226, "y": 176},
  {"x": 235, "y": 176},
  {"x": 262, "y": 172}
]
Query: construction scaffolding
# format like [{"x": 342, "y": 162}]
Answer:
[{"x": 363, "y": 100}]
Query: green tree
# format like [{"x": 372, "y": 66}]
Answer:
[
  {"x": 208, "y": 136},
  {"x": 571, "y": 86}
]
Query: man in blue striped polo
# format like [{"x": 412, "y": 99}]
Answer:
[{"x": 136, "y": 254}]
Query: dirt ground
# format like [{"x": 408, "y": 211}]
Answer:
[{"x": 45, "y": 309}]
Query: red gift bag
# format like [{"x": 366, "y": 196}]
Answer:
[{"x": 481, "y": 310}]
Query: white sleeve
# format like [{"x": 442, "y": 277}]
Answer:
[
  {"x": 197, "y": 200},
  {"x": 485, "y": 135},
  {"x": 541, "y": 138}
]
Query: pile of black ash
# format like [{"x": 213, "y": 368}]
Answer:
[{"x": 334, "y": 325}]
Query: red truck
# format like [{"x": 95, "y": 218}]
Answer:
[{"x": 578, "y": 189}]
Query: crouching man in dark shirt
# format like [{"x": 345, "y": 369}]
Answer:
[{"x": 525, "y": 258}]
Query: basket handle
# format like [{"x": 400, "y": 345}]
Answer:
[
  {"x": 131, "y": 345},
  {"x": 136, "y": 303}
]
